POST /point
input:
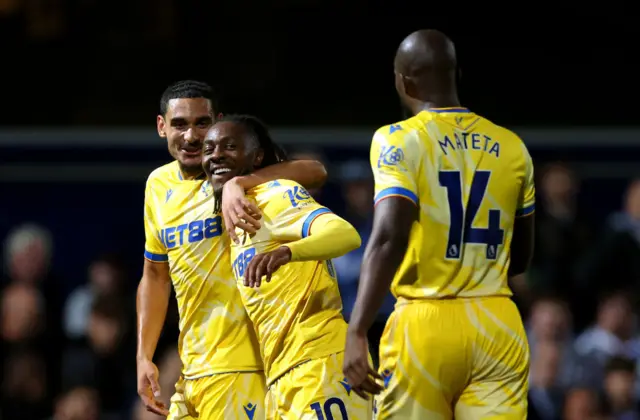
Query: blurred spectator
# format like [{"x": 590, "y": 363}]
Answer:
[
  {"x": 22, "y": 315},
  {"x": 550, "y": 322},
  {"x": 582, "y": 404},
  {"x": 28, "y": 251},
  {"x": 615, "y": 262},
  {"x": 311, "y": 154},
  {"x": 105, "y": 361},
  {"x": 106, "y": 279},
  {"x": 80, "y": 403},
  {"x": 612, "y": 335},
  {"x": 563, "y": 234},
  {"x": 24, "y": 386},
  {"x": 357, "y": 191},
  {"x": 546, "y": 397},
  {"x": 31, "y": 297},
  {"x": 619, "y": 382}
]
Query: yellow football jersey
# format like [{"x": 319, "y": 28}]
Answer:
[
  {"x": 298, "y": 315},
  {"x": 181, "y": 229},
  {"x": 470, "y": 179}
]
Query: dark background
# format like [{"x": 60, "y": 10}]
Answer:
[
  {"x": 76, "y": 72},
  {"x": 106, "y": 64}
]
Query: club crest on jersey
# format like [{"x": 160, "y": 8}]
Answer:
[{"x": 390, "y": 156}]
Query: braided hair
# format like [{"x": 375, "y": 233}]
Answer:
[{"x": 272, "y": 152}]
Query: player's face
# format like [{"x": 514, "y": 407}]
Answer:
[
  {"x": 229, "y": 151},
  {"x": 184, "y": 126}
]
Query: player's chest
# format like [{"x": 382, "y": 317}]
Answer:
[
  {"x": 243, "y": 253},
  {"x": 187, "y": 217}
]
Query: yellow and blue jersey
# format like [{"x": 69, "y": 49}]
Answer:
[
  {"x": 216, "y": 335},
  {"x": 298, "y": 314},
  {"x": 470, "y": 179}
]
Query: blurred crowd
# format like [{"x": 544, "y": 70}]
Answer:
[{"x": 71, "y": 356}]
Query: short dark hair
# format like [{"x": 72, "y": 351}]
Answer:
[
  {"x": 187, "y": 89},
  {"x": 620, "y": 364},
  {"x": 108, "y": 308}
]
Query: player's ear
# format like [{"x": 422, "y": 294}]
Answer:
[
  {"x": 257, "y": 161},
  {"x": 161, "y": 124},
  {"x": 408, "y": 87}
]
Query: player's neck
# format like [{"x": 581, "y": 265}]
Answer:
[{"x": 441, "y": 101}]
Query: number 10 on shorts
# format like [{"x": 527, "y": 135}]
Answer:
[{"x": 324, "y": 411}]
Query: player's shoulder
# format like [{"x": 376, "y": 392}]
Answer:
[
  {"x": 164, "y": 174},
  {"x": 274, "y": 187},
  {"x": 501, "y": 132},
  {"x": 397, "y": 131},
  {"x": 275, "y": 190},
  {"x": 279, "y": 193},
  {"x": 509, "y": 139}
]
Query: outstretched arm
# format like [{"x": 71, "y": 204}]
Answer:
[
  {"x": 308, "y": 173},
  {"x": 239, "y": 212},
  {"x": 327, "y": 236}
]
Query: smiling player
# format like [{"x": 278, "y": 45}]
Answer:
[
  {"x": 186, "y": 246},
  {"x": 298, "y": 314}
]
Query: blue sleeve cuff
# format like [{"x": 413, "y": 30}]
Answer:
[
  {"x": 396, "y": 192},
  {"x": 156, "y": 257},
  {"x": 306, "y": 226},
  {"x": 525, "y": 211}
]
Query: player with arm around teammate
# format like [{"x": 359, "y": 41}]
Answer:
[
  {"x": 453, "y": 221},
  {"x": 297, "y": 313},
  {"x": 186, "y": 247}
]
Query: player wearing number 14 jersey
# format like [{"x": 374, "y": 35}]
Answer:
[{"x": 453, "y": 220}]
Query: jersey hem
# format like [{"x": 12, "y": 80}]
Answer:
[
  {"x": 156, "y": 257},
  {"x": 402, "y": 301},
  {"x": 283, "y": 372},
  {"x": 223, "y": 372},
  {"x": 525, "y": 211}
]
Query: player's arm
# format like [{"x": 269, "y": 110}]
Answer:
[
  {"x": 309, "y": 232},
  {"x": 523, "y": 239},
  {"x": 152, "y": 302},
  {"x": 308, "y": 173},
  {"x": 318, "y": 241},
  {"x": 396, "y": 210},
  {"x": 239, "y": 212}
]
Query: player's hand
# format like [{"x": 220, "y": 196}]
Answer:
[
  {"x": 149, "y": 388},
  {"x": 266, "y": 264},
  {"x": 359, "y": 373},
  {"x": 237, "y": 211}
]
